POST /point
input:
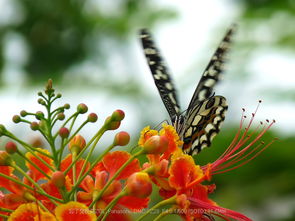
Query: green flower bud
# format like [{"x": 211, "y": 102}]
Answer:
[
  {"x": 61, "y": 116},
  {"x": 34, "y": 126},
  {"x": 16, "y": 119},
  {"x": 82, "y": 108},
  {"x": 67, "y": 106},
  {"x": 39, "y": 115},
  {"x": 23, "y": 113},
  {"x": 118, "y": 115},
  {"x": 2, "y": 130},
  {"x": 92, "y": 117}
]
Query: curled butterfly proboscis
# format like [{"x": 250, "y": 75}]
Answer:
[{"x": 200, "y": 123}]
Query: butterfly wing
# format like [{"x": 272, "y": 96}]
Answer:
[
  {"x": 213, "y": 70},
  {"x": 203, "y": 123},
  {"x": 160, "y": 74}
]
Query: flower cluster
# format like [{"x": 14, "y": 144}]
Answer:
[{"x": 62, "y": 181}]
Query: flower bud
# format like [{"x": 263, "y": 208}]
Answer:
[
  {"x": 2, "y": 130},
  {"x": 5, "y": 159},
  {"x": 61, "y": 116},
  {"x": 121, "y": 139},
  {"x": 39, "y": 115},
  {"x": 63, "y": 132},
  {"x": 67, "y": 106},
  {"x": 16, "y": 119},
  {"x": 58, "y": 179},
  {"x": 23, "y": 113},
  {"x": 10, "y": 147},
  {"x": 34, "y": 126},
  {"x": 118, "y": 115},
  {"x": 77, "y": 143},
  {"x": 92, "y": 117},
  {"x": 41, "y": 101},
  {"x": 139, "y": 185},
  {"x": 112, "y": 125},
  {"x": 58, "y": 95},
  {"x": 82, "y": 108},
  {"x": 48, "y": 87},
  {"x": 156, "y": 145}
]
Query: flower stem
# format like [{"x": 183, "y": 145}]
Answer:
[
  {"x": 164, "y": 213},
  {"x": 33, "y": 164},
  {"x": 162, "y": 203},
  {"x": 29, "y": 187},
  {"x": 115, "y": 176},
  {"x": 107, "y": 210},
  {"x": 33, "y": 182},
  {"x": 81, "y": 177},
  {"x": 99, "y": 133}
]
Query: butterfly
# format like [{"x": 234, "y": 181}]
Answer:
[{"x": 200, "y": 123}]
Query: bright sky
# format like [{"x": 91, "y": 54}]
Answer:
[{"x": 183, "y": 43}]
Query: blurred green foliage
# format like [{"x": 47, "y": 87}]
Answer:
[
  {"x": 60, "y": 34},
  {"x": 276, "y": 17}
]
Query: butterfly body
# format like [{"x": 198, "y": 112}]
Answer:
[{"x": 199, "y": 124}]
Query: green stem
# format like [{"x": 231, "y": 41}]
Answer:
[
  {"x": 74, "y": 155},
  {"x": 162, "y": 203},
  {"x": 29, "y": 187},
  {"x": 61, "y": 150},
  {"x": 73, "y": 122},
  {"x": 103, "y": 214},
  {"x": 4, "y": 216},
  {"x": 64, "y": 124},
  {"x": 39, "y": 158},
  {"x": 164, "y": 213},
  {"x": 115, "y": 176},
  {"x": 6, "y": 210},
  {"x": 29, "y": 148},
  {"x": 32, "y": 181},
  {"x": 81, "y": 177},
  {"x": 33, "y": 164},
  {"x": 99, "y": 133}
]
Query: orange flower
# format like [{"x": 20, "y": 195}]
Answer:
[
  {"x": 17, "y": 196},
  {"x": 66, "y": 162},
  {"x": 29, "y": 212},
  {"x": 36, "y": 175},
  {"x": 74, "y": 211},
  {"x": 157, "y": 167},
  {"x": 191, "y": 196},
  {"x": 102, "y": 173}
]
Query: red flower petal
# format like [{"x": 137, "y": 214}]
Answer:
[
  {"x": 66, "y": 162},
  {"x": 99, "y": 167},
  {"x": 113, "y": 162},
  {"x": 134, "y": 203},
  {"x": 37, "y": 175},
  {"x": 183, "y": 171}
]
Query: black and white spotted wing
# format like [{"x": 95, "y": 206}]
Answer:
[
  {"x": 202, "y": 120},
  {"x": 203, "y": 123},
  {"x": 213, "y": 71},
  {"x": 160, "y": 74}
]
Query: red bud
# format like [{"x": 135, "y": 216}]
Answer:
[
  {"x": 121, "y": 139},
  {"x": 139, "y": 185},
  {"x": 156, "y": 145}
]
